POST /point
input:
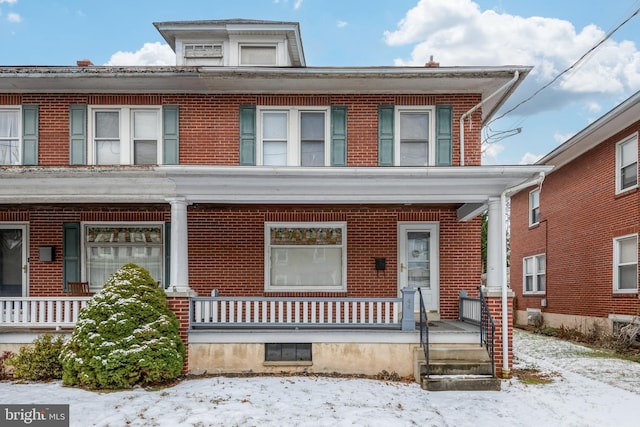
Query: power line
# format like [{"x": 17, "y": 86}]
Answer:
[{"x": 571, "y": 67}]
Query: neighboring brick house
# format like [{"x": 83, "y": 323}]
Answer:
[
  {"x": 242, "y": 173},
  {"x": 574, "y": 241}
]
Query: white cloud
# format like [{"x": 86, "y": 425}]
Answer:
[
  {"x": 457, "y": 32},
  {"x": 9, "y": 1},
  {"x": 342, "y": 24},
  {"x": 490, "y": 152},
  {"x": 297, "y": 4},
  {"x": 14, "y": 17},
  {"x": 150, "y": 54},
  {"x": 562, "y": 137},
  {"x": 529, "y": 158}
]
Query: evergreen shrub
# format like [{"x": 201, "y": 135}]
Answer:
[
  {"x": 38, "y": 362},
  {"x": 125, "y": 336}
]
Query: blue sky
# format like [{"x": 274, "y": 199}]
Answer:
[{"x": 547, "y": 34}]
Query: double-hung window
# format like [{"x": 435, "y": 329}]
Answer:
[
  {"x": 10, "y": 136},
  {"x": 415, "y": 136},
  {"x": 534, "y": 274},
  {"x": 625, "y": 264},
  {"x": 627, "y": 164},
  {"x": 303, "y": 257},
  {"x": 110, "y": 246},
  {"x": 125, "y": 135},
  {"x": 534, "y": 207},
  {"x": 293, "y": 136}
]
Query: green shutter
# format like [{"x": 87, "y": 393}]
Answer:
[
  {"x": 170, "y": 137},
  {"x": 385, "y": 135},
  {"x": 444, "y": 132},
  {"x": 30, "y": 134},
  {"x": 167, "y": 255},
  {"x": 77, "y": 134},
  {"x": 247, "y": 135},
  {"x": 338, "y": 135},
  {"x": 70, "y": 253}
]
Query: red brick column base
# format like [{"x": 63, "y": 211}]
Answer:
[
  {"x": 494, "y": 300},
  {"x": 179, "y": 304}
]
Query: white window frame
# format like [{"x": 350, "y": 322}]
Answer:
[
  {"x": 536, "y": 274},
  {"x": 632, "y": 139},
  {"x": 617, "y": 263},
  {"x": 85, "y": 269},
  {"x": 18, "y": 109},
  {"x": 431, "y": 146},
  {"x": 533, "y": 206},
  {"x": 268, "y": 287},
  {"x": 294, "y": 145},
  {"x": 126, "y": 131}
]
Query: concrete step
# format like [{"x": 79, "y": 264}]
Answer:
[
  {"x": 461, "y": 383},
  {"x": 470, "y": 352},
  {"x": 458, "y": 367}
]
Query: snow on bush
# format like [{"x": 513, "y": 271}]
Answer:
[{"x": 125, "y": 336}]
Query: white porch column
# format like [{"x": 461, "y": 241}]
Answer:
[
  {"x": 179, "y": 280},
  {"x": 495, "y": 263}
]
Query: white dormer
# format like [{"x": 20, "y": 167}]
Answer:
[{"x": 234, "y": 43}]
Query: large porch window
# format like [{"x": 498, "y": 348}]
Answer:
[
  {"x": 305, "y": 257},
  {"x": 108, "y": 247}
]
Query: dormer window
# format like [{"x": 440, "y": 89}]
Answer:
[{"x": 258, "y": 55}]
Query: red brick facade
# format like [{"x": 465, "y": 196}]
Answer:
[{"x": 580, "y": 215}]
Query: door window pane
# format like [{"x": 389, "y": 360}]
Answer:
[
  {"x": 11, "y": 263},
  {"x": 418, "y": 275}
]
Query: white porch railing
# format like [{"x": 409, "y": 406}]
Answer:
[
  {"x": 272, "y": 312},
  {"x": 470, "y": 309},
  {"x": 40, "y": 311}
]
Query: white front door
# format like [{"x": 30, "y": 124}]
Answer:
[
  {"x": 13, "y": 260},
  {"x": 418, "y": 260}
]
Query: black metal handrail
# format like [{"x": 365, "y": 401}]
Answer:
[
  {"x": 487, "y": 329},
  {"x": 424, "y": 331}
]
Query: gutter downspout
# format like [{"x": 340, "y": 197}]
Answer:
[
  {"x": 505, "y": 314},
  {"x": 468, "y": 113}
]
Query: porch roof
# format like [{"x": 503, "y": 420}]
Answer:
[{"x": 469, "y": 186}]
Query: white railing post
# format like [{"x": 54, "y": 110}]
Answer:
[{"x": 408, "y": 304}]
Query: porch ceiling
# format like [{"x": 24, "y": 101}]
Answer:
[{"x": 265, "y": 185}]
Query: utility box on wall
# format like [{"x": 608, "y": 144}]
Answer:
[{"x": 47, "y": 254}]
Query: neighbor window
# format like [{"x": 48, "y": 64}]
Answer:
[
  {"x": 414, "y": 144},
  {"x": 258, "y": 55},
  {"x": 10, "y": 137},
  {"x": 625, "y": 264},
  {"x": 627, "y": 164},
  {"x": 305, "y": 257},
  {"x": 534, "y": 272},
  {"x": 125, "y": 136},
  {"x": 294, "y": 137},
  {"x": 110, "y": 246},
  {"x": 534, "y": 207}
]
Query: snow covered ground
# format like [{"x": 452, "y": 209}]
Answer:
[{"x": 587, "y": 390}]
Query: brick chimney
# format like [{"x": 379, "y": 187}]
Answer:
[
  {"x": 432, "y": 63},
  {"x": 84, "y": 63}
]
